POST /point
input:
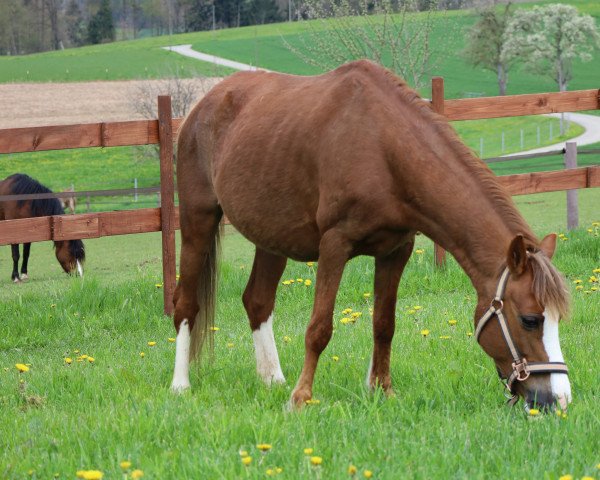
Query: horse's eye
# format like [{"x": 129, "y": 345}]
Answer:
[{"x": 531, "y": 322}]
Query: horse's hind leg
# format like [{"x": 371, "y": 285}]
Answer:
[
  {"x": 26, "y": 249},
  {"x": 388, "y": 271},
  {"x": 15, "y": 256},
  {"x": 259, "y": 300}
]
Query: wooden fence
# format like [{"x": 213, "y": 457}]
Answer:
[{"x": 163, "y": 131}]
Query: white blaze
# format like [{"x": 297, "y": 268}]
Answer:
[
  {"x": 559, "y": 382},
  {"x": 267, "y": 359},
  {"x": 181, "y": 375}
]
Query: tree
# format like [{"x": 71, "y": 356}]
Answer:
[
  {"x": 486, "y": 44},
  {"x": 74, "y": 24},
  {"x": 101, "y": 27}
]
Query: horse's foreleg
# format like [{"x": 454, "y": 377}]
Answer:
[
  {"x": 334, "y": 251},
  {"x": 259, "y": 300},
  {"x": 388, "y": 271},
  {"x": 26, "y": 249},
  {"x": 15, "y": 256}
]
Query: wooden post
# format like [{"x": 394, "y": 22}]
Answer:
[
  {"x": 167, "y": 207},
  {"x": 437, "y": 102},
  {"x": 572, "y": 200}
]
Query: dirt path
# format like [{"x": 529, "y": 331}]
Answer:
[{"x": 36, "y": 104}]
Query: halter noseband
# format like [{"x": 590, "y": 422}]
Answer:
[{"x": 521, "y": 368}]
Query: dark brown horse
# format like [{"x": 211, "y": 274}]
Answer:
[
  {"x": 354, "y": 162},
  {"x": 69, "y": 253}
]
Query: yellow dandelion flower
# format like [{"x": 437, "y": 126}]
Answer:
[
  {"x": 578, "y": 281},
  {"x": 308, "y": 451},
  {"x": 534, "y": 411},
  {"x": 125, "y": 464},
  {"x": 287, "y": 339},
  {"x": 425, "y": 332},
  {"x": 286, "y": 282},
  {"x": 151, "y": 344},
  {"x": 300, "y": 280},
  {"x": 346, "y": 311},
  {"x": 587, "y": 478},
  {"x": 137, "y": 474},
  {"x": 590, "y": 230},
  {"x": 76, "y": 352},
  {"x": 419, "y": 251},
  {"x": 230, "y": 345},
  {"x": 312, "y": 401},
  {"x": 264, "y": 447},
  {"x": 91, "y": 359},
  {"x": 171, "y": 340},
  {"x": 352, "y": 470},
  {"x": 593, "y": 289},
  {"x": 445, "y": 337},
  {"x": 356, "y": 314},
  {"x": 142, "y": 354},
  {"x": 452, "y": 322},
  {"x": 367, "y": 294},
  {"x": 368, "y": 474},
  {"x": 596, "y": 270},
  {"x": 291, "y": 280},
  {"x": 335, "y": 358},
  {"x": 564, "y": 415},
  {"x": 68, "y": 361},
  {"x": 21, "y": 367},
  {"x": 579, "y": 287},
  {"x": 158, "y": 285},
  {"x": 345, "y": 321},
  {"x": 270, "y": 472},
  {"x": 316, "y": 461},
  {"x": 79, "y": 473},
  {"x": 310, "y": 264},
  {"x": 593, "y": 279},
  {"x": 469, "y": 334},
  {"x": 595, "y": 224},
  {"x": 243, "y": 453},
  {"x": 417, "y": 307},
  {"x": 308, "y": 283},
  {"x": 84, "y": 357},
  {"x": 246, "y": 460},
  {"x": 215, "y": 329},
  {"x": 566, "y": 477},
  {"x": 92, "y": 475},
  {"x": 279, "y": 470}
]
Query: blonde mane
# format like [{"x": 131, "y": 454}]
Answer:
[{"x": 549, "y": 286}]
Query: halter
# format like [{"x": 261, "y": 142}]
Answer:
[{"x": 521, "y": 368}]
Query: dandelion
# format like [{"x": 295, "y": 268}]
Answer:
[
  {"x": 264, "y": 447},
  {"x": 417, "y": 307},
  {"x": 445, "y": 337},
  {"x": 125, "y": 464},
  {"x": 92, "y": 475},
  {"x": 171, "y": 340},
  {"x": 356, "y": 314},
  {"x": 352, "y": 470},
  {"x": 316, "y": 461},
  {"x": 412, "y": 312},
  {"x": 425, "y": 332},
  {"x": 243, "y": 453},
  {"x": 79, "y": 473},
  {"x": 533, "y": 412},
  {"x": 335, "y": 358},
  {"x": 21, "y": 367},
  {"x": 419, "y": 251},
  {"x": 91, "y": 359},
  {"x": 566, "y": 477},
  {"x": 76, "y": 352},
  {"x": 229, "y": 345},
  {"x": 310, "y": 264},
  {"x": 308, "y": 451},
  {"x": 368, "y": 474},
  {"x": 469, "y": 334},
  {"x": 286, "y": 282},
  {"x": 246, "y": 460},
  {"x": 579, "y": 287},
  {"x": 279, "y": 470},
  {"x": 452, "y": 322},
  {"x": 367, "y": 294},
  {"x": 270, "y": 472},
  {"x": 215, "y": 329},
  {"x": 345, "y": 321},
  {"x": 287, "y": 339},
  {"x": 346, "y": 311},
  {"x": 151, "y": 344},
  {"x": 596, "y": 270},
  {"x": 577, "y": 282},
  {"x": 312, "y": 401},
  {"x": 158, "y": 285},
  {"x": 142, "y": 354},
  {"x": 68, "y": 361},
  {"x": 593, "y": 279},
  {"x": 83, "y": 357},
  {"x": 291, "y": 280},
  {"x": 137, "y": 474},
  {"x": 308, "y": 283}
]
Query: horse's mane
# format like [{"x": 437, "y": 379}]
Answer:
[
  {"x": 549, "y": 286},
  {"x": 23, "y": 184},
  {"x": 497, "y": 195}
]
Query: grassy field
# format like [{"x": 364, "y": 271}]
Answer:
[{"x": 447, "y": 421}]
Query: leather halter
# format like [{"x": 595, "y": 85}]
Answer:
[{"x": 521, "y": 368}]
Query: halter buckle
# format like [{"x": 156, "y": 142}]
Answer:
[
  {"x": 520, "y": 368},
  {"x": 497, "y": 304}
]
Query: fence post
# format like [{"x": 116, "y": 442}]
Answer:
[
  {"x": 572, "y": 200},
  {"x": 167, "y": 200},
  {"x": 437, "y": 102},
  {"x": 135, "y": 195}
]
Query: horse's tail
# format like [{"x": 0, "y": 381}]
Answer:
[{"x": 207, "y": 294}]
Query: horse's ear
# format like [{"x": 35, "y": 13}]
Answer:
[
  {"x": 517, "y": 256},
  {"x": 548, "y": 245}
]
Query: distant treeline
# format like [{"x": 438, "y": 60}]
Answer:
[{"x": 28, "y": 26}]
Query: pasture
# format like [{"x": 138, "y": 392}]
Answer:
[{"x": 447, "y": 420}]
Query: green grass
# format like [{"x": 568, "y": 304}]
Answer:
[{"x": 448, "y": 419}]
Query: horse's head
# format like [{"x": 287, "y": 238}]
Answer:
[
  {"x": 71, "y": 255},
  {"x": 518, "y": 324}
]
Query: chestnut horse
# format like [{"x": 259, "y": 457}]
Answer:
[
  {"x": 69, "y": 253},
  {"x": 354, "y": 162}
]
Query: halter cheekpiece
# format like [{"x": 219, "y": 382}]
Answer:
[{"x": 521, "y": 368}]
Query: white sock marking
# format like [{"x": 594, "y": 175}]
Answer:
[
  {"x": 559, "y": 382},
  {"x": 181, "y": 375},
  {"x": 267, "y": 359}
]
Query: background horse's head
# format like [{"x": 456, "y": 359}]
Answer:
[
  {"x": 535, "y": 299},
  {"x": 71, "y": 255}
]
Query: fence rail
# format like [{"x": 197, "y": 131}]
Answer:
[{"x": 163, "y": 130}]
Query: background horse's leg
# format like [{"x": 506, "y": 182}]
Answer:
[
  {"x": 259, "y": 300},
  {"x": 15, "y": 256},
  {"x": 26, "y": 249},
  {"x": 199, "y": 229},
  {"x": 388, "y": 271},
  {"x": 334, "y": 252}
]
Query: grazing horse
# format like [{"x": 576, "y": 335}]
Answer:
[
  {"x": 354, "y": 162},
  {"x": 69, "y": 202},
  {"x": 69, "y": 253}
]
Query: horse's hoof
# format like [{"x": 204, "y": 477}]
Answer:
[
  {"x": 179, "y": 388},
  {"x": 24, "y": 277},
  {"x": 16, "y": 280},
  {"x": 299, "y": 399}
]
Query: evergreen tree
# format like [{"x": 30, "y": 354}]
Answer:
[
  {"x": 101, "y": 27},
  {"x": 75, "y": 24}
]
